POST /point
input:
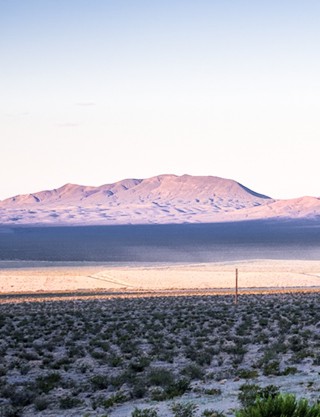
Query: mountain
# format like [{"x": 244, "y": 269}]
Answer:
[{"x": 160, "y": 199}]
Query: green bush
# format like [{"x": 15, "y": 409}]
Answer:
[{"x": 280, "y": 406}]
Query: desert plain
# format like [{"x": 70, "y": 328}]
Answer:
[
  {"x": 29, "y": 277},
  {"x": 97, "y": 340}
]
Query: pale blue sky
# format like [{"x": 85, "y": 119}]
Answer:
[{"x": 92, "y": 92}]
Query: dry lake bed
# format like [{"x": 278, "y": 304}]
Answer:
[{"x": 28, "y": 276}]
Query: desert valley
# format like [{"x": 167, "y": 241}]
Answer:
[
  {"x": 119, "y": 300},
  {"x": 159, "y": 208}
]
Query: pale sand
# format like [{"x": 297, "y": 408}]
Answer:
[{"x": 252, "y": 274}]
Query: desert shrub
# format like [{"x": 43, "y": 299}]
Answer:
[
  {"x": 68, "y": 402},
  {"x": 98, "y": 354},
  {"x": 3, "y": 370},
  {"x": 10, "y": 411},
  {"x": 29, "y": 355},
  {"x": 139, "y": 388},
  {"x": 22, "y": 396},
  {"x": 250, "y": 393},
  {"x": 146, "y": 412},
  {"x": 280, "y": 406},
  {"x": 191, "y": 353},
  {"x": 40, "y": 403},
  {"x": 316, "y": 360},
  {"x": 212, "y": 391},
  {"x": 46, "y": 383},
  {"x": 117, "y": 398},
  {"x": 203, "y": 358},
  {"x": 177, "y": 388},
  {"x": 296, "y": 343},
  {"x": 193, "y": 371},
  {"x": 114, "y": 360},
  {"x": 125, "y": 377},
  {"x": 290, "y": 370},
  {"x": 100, "y": 382},
  {"x": 139, "y": 364},
  {"x": 183, "y": 410},
  {"x": 271, "y": 368},
  {"x": 100, "y": 343},
  {"x": 25, "y": 368},
  {"x": 302, "y": 354},
  {"x": 212, "y": 413},
  {"x": 268, "y": 356},
  {"x": 247, "y": 373},
  {"x": 161, "y": 377},
  {"x": 157, "y": 394}
]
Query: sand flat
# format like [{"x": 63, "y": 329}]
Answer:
[{"x": 252, "y": 274}]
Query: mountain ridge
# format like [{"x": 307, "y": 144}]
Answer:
[{"x": 166, "y": 198}]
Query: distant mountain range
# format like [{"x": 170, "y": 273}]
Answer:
[{"x": 161, "y": 199}]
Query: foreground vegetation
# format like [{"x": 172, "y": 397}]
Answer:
[
  {"x": 88, "y": 358},
  {"x": 279, "y": 405}
]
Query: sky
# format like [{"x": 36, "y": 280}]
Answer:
[{"x": 95, "y": 91}]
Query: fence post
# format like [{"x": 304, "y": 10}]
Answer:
[{"x": 236, "y": 288}]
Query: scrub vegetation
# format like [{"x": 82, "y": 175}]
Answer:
[{"x": 92, "y": 357}]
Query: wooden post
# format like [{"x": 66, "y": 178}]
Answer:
[{"x": 236, "y": 292}]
